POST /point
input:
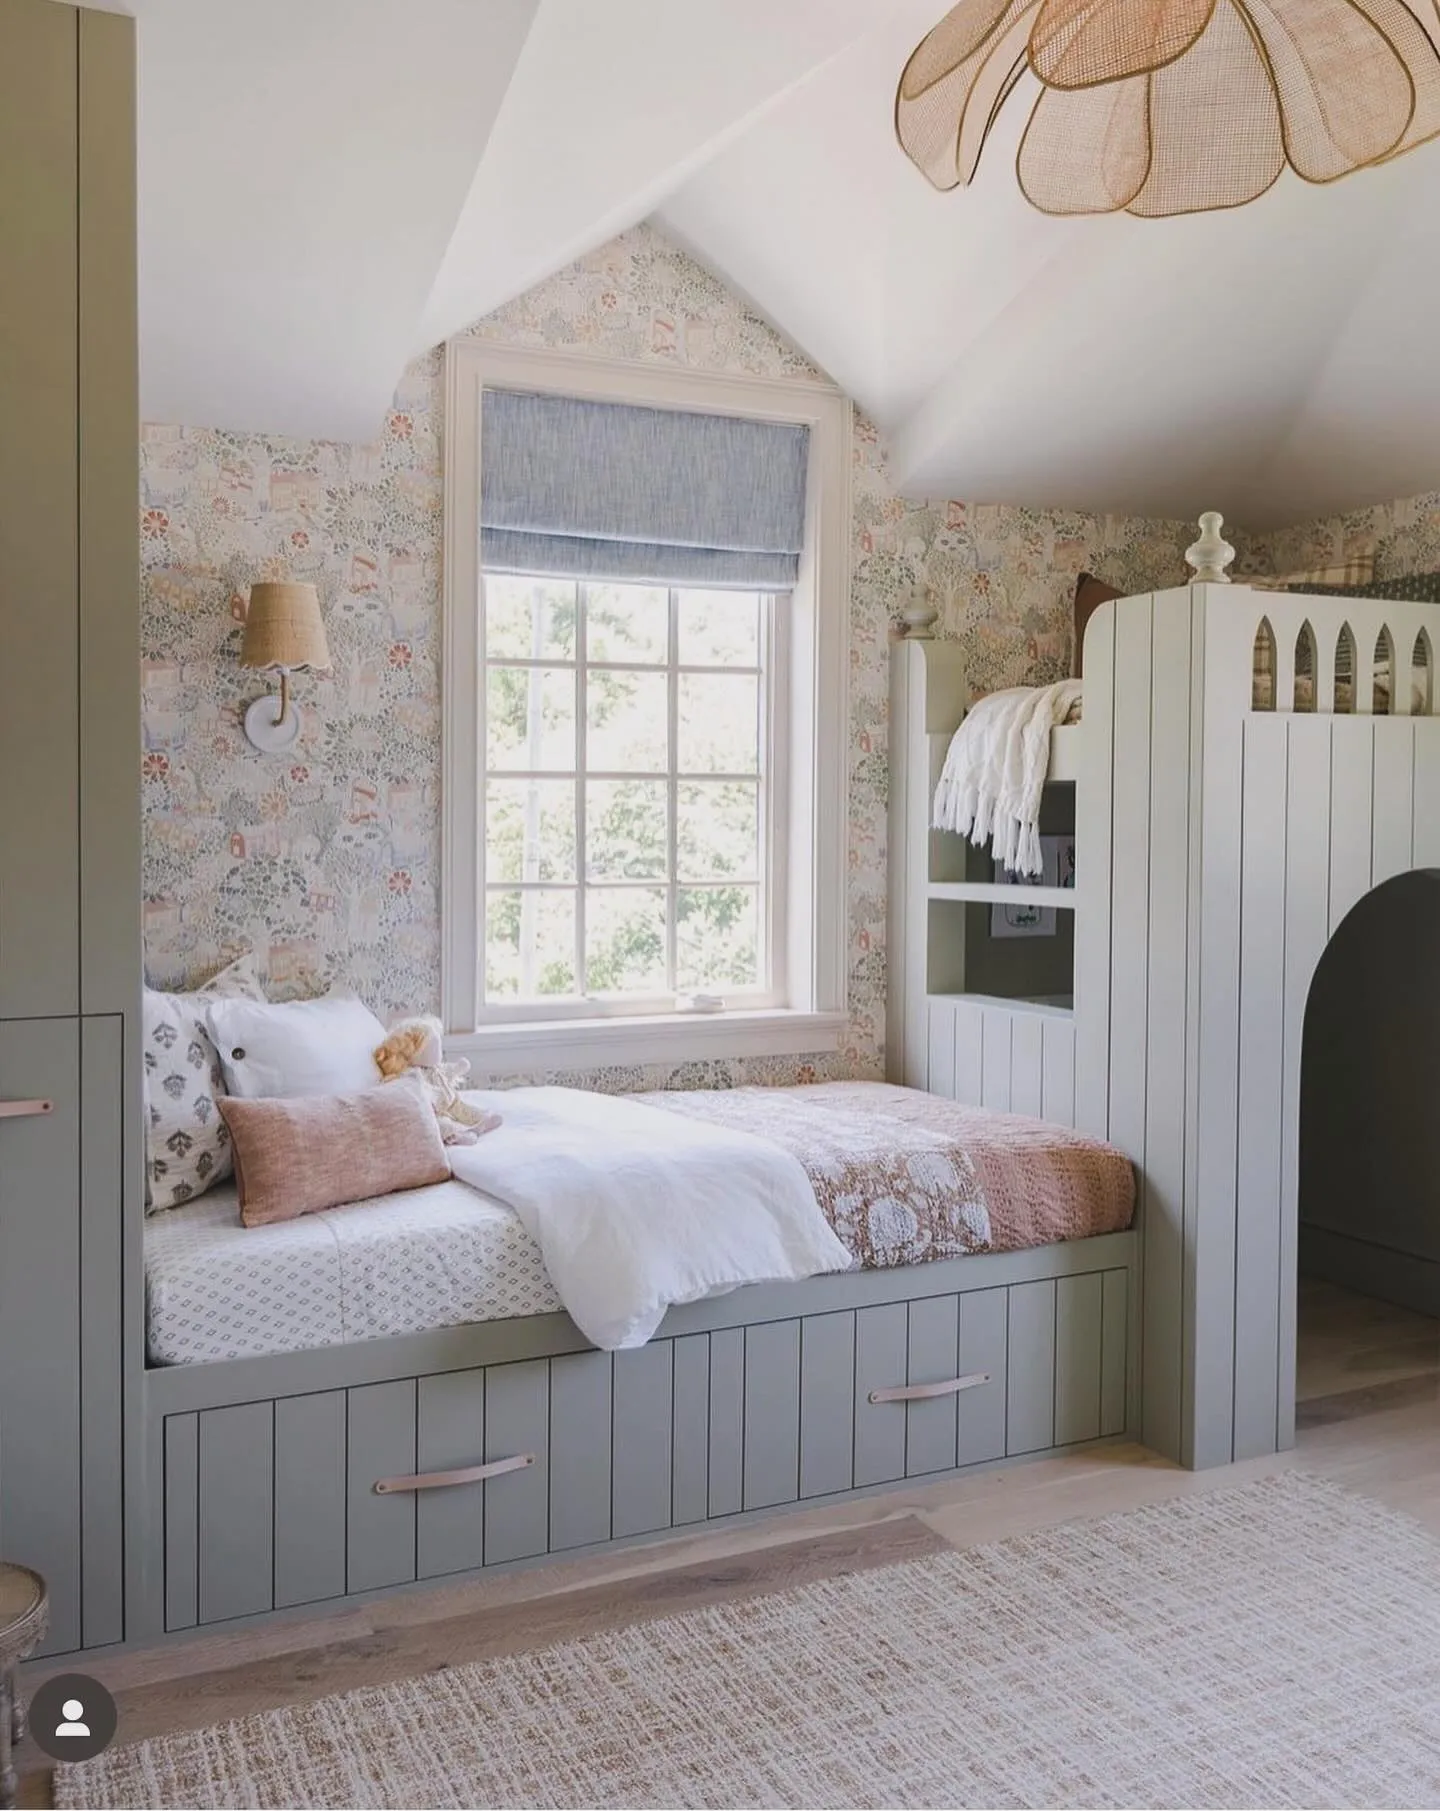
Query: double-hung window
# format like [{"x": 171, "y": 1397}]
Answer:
[
  {"x": 631, "y": 847},
  {"x": 642, "y": 825}
]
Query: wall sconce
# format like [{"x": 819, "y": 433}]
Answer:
[{"x": 283, "y": 631}]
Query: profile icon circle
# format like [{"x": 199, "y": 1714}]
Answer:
[{"x": 72, "y": 1717}]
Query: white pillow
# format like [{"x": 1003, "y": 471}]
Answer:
[
  {"x": 303, "y": 1047},
  {"x": 187, "y": 1143}
]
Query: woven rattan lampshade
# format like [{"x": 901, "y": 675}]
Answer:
[
  {"x": 1173, "y": 106},
  {"x": 283, "y": 628}
]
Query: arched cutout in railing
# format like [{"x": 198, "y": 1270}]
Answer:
[
  {"x": 1305, "y": 665},
  {"x": 1422, "y": 676},
  {"x": 1262, "y": 685},
  {"x": 1384, "y": 673},
  {"x": 1345, "y": 670}
]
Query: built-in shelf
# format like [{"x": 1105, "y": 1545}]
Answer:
[
  {"x": 1056, "y": 1006},
  {"x": 996, "y": 892}
]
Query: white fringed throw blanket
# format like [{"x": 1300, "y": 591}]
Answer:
[{"x": 995, "y": 771}]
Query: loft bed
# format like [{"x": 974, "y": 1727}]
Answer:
[{"x": 1248, "y": 765}]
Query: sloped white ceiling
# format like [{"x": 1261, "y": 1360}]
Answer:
[
  {"x": 302, "y": 164},
  {"x": 328, "y": 186},
  {"x": 614, "y": 103}
]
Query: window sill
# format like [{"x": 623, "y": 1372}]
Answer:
[{"x": 672, "y": 1037}]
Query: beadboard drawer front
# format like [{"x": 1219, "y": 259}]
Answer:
[
  {"x": 930, "y": 1385},
  {"x": 271, "y": 1504}
]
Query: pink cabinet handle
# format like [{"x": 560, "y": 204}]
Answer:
[
  {"x": 920, "y": 1392},
  {"x": 469, "y": 1474},
  {"x": 23, "y": 1109}
]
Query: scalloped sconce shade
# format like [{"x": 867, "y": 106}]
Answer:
[
  {"x": 283, "y": 630},
  {"x": 1162, "y": 107}
]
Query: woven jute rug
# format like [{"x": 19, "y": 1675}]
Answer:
[{"x": 1271, "y": 1644}]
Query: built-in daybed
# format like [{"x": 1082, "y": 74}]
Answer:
[
  {"x": 293, "y": 1477},
  {"x": 1222, "y": 827}
]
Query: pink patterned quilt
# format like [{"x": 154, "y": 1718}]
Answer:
[{"x": 906, "y": 1177}]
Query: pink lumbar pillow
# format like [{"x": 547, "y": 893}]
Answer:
[{"x": 298, "y": 1154}]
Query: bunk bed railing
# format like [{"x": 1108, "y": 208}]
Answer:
[{"x": 1339, "y": 656}]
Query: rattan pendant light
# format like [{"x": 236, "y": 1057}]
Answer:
[{"x": 1173, "y": 106}]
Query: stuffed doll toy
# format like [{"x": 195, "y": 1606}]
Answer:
[{"x": 413, "y": 1047}]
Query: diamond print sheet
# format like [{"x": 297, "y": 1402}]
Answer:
[{"x": 404, "y": 1263}]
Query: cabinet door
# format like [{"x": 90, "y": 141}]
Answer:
[
  {"x": 39, "y": 480},
  {"x": 40, "y": 1314},
  {"x": 69, "y": 818}
]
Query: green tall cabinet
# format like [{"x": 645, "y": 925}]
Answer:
[{"x": 70, "y": 963}]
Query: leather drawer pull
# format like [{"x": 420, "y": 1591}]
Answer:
[
  {"x": 23, "y": 1109},
  {"x": 469, "y": 1474},
  {"x": 921, "y": 1392}
]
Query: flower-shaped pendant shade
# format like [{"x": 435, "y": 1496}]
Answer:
[{"x": 1173, "y": 106}]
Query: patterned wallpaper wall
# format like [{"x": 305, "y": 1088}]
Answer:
[
  {"x": 328, "y": 863},
  {"x": 1404, "y": 538}
]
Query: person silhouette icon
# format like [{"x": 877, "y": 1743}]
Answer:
[
  {"x": 72, "y": 1715},
  {"x": 72, "y": 1710}
]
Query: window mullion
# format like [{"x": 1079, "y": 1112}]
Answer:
[
  {"x": 582, "y": 636},
  {"x": 672, "y": 786}
]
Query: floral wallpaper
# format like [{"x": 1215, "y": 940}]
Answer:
[
  {"x": 1404, "y": 538},
  {"x": 327, "y": 864}
]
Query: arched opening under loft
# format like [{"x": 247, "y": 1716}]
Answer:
[
  {"x": 1345, "y": 665},
  {"x": 1384, "y": 673},
  {"x": 1368, "y": 1305},
  {"x": 1306, "y": 664},
  {"x": 1422, "y": 676},
  {"x": 1262, "y": 685}
]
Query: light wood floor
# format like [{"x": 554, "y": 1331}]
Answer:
[{"x": 1368, "y": 1417}]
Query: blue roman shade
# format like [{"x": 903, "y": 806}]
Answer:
[{"x": 602, "y": 490}]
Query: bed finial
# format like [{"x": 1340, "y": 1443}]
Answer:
[
  {"x": 1210, "y": 555},
  {"x": 919, "y": 613}
]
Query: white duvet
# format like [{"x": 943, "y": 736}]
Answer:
[{"x": 636, "y": 1211}]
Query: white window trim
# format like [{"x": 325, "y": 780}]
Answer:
[{"x": 815, "y": 864}]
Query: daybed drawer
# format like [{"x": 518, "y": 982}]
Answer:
[
  {"x": 1068, "y": 1359},
  {"x": 929, "y": 1385},
  {"x": 953, "y": 1380},
  {"x": 272, "y": 1504},
  {"x": 254, "y": 1507},
  {"x": 450, "y": 1475}
]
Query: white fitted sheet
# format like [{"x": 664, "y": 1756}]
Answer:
[{"x": 404, "y": 1263}]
